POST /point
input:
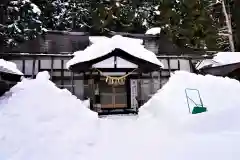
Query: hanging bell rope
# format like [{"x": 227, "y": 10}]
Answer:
[{"x": 116, "y": 80}]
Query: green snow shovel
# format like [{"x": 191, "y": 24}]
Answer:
[{"x": 198, "y": 108}]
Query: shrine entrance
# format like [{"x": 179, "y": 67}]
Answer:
[
  {"x": 112, "y": 96},
  {"x": 115, "y": 72}
]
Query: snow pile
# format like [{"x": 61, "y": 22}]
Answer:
[
  {"x": 106, "y": 46},
  {"x": 170, "y": 103},
  {"x": 9, "y": 67},
  {"x": 214, "y": 134},
  {"x": 40, "y": 121}
]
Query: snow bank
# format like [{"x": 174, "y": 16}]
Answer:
[
  {"x": 170, "y": 103},
  {"x": 106, "y": 46},
  {"x": 214, "y": 134},
  {"x": 9, "y": 67},
  {"x": 40, "y": 121}
]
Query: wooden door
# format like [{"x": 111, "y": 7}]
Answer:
[{"x": 113, "y": 97}]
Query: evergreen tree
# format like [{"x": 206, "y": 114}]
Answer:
[
  {"x": 192, "y": 23},
  {"x": 21, "y": 22}
]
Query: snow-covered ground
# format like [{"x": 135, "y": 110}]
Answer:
[
  {"x": 211, "y": 135},
  {"x": 39, "y": 121}
]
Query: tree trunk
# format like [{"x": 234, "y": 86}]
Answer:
[
  {"x": 2, "y": 22},
  {"x": 229, "y": 26},
  {"x": 236, "y": 15}
]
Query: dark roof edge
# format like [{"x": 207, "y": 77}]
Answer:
[
  {"x": 216, "y": 67},
  {"x": 67, "y": 33},
  {"x": 69, "y": 54},
  {"x": 107, "y": 34}
]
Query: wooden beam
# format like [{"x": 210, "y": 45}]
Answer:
[
  {"x": 70, "y": 55},
  {"x": 105, "y": 70}
]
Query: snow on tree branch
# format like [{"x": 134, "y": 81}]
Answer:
[{"x": 22, "y": 22}]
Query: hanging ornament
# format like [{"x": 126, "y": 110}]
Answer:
[{"x": 116, "y": 80}]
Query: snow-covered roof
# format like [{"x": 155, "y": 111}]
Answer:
[
  {"x": 95, "y": 39},
  {"x": 154, "y": 31},
  {"x": 224, "y": 58},
  {"x": 9, "y": 67},
  {"x": 221, "y": 58},
  {"x": 106, "y": 46},
  {"x": 134, "y": 40},
  {"x": 205, "y": 63}
]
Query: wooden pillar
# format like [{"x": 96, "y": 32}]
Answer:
[
  {"x": 33, "y": 67},
  {"x": 96, "y": 89},
  {"x": 91, "y": 94},
  {"x": 72, "y": 83},
  {"x": 39, "y": 66},
  {"x": 62, "y": 73},
  {"x": 179, "y": 67},
  {"x": 151, "y": 83},
  {"x": 23, "y": 66},
  {"x": 192, "y": 67},
  {"x": 52, "y": 64},
  {"x": 128, "y": 91},
  {"x": 139, "y": 90},
  {"x": 84, "y": 94},
  {"x": 169, "y": 66},
  {"x": 160, "y": 81}
]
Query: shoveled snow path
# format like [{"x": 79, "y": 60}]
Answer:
[{"x": 120, "y": 137}]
